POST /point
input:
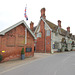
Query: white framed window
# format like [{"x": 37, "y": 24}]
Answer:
[
  {"x": 38, "y": 34},
  {"x": 48, "y": 33}
]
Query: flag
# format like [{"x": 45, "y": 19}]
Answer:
[{"x": 25, "y": 14}]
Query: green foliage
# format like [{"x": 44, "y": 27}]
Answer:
[
  {"x": 73, "y": 46},
  {"x": 1, "y": 57},
  {"x": 22, "y": 52},
  {"x": 63, "y": 45}
]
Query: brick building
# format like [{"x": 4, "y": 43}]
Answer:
[
  {"x": 14, "y": 38},
  {"x": 51, "y": 37},
  {"x": 43, "y": 34}
]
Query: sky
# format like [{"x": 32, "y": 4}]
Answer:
[{"x": 12, "y": 11}]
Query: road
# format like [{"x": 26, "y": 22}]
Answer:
[{"x": 55, "y": 64}]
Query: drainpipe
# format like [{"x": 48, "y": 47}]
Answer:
[
  {"x": 51, "y": 43},
  {"x": 35, "y": 45},
  {"x": 45, "y": 38}
]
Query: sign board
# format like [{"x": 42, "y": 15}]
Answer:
[{"x": 28, "y": 49}]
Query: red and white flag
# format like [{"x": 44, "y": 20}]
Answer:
[{"x": 25, "y": 14}]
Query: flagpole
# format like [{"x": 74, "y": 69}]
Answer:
[{"x": 25, "y": 14}]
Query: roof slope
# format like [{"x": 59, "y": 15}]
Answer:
[
  {"x": 35, "y": 28},
  {"x": 55, "y": 27},
  {"x": 15, "y": 25}
]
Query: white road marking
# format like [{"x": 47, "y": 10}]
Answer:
[{"x": 66, "y": 58}]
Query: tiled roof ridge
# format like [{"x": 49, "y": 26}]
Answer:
[
  {"x": 55, "y": 24},
  {"x": 51, "y": 22}
]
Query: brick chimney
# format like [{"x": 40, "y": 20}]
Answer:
[
  {"x": 59, "y": 23},
  {"x": 68, "y": 29},
  {"x": 32, "y": 26},
  {"x": 43, "y": 13}
]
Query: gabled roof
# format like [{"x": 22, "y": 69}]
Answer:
[
  {"x": 15, "y": 25},
  {"x": 72, "y": 36},
  {"x": 67, "y": 34},
  {"x": 35, "y": 28},
  {"x": 52, "y": 27},
  {"x": 55, "y": 27}
]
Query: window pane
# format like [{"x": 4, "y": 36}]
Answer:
[
  {"x": 48, "y": 33},
  {"x": 38, "y": 34},
  {"x": 28, "y": 49},
  {"x": 56, "y": 45}
]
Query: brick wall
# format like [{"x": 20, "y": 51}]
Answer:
[
  {"x": 13, "y": 42},
  {"x": 40, "y": 45},
  {"x": 48, "y": 43}
]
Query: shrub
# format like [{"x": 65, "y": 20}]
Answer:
[
  {"x": 22, "y": 52},
  {"x": 1, "y": 57},
  {"x": 73, "y": 46}
]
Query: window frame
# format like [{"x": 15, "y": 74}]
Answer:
[
  {"x": 47, "y": 32},
  {"x": 38, "y": 35}
]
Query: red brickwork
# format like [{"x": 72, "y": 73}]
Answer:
[
  {"x": 32, "y": 26},
  {"x": 48, "y": 43},
  {"x": 68, "y": 29},
  {"x": 73, "y": 49},
  {"x": 59, "y": 23},
  {"x": 40, "y": 45},
  {"x": 43, "y": 13},
  {"x": 13, "y": 42}
]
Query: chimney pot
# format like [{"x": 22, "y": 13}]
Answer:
[
  {"x": 59, "y": 23},
  {"x": 68, "y": 29},
  {"x": 43, "y": 13},
  {"x": 32, "y": 26}
]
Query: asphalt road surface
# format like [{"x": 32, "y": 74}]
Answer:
[{"x": 56, "y": 64}]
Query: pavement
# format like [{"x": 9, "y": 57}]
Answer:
[
  {"x": 44, "y": 64},
  {"x": 15, "y": 62}
]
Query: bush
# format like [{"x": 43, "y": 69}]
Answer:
[
  {"x": 1, "y": 57},
  {"x": 22, "y": 52},
  {"x": 73, "y": 46}
]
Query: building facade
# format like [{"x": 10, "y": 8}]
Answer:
[
  {"x": 14, "y": 38},
  {"x": 50, "y": 37}
]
